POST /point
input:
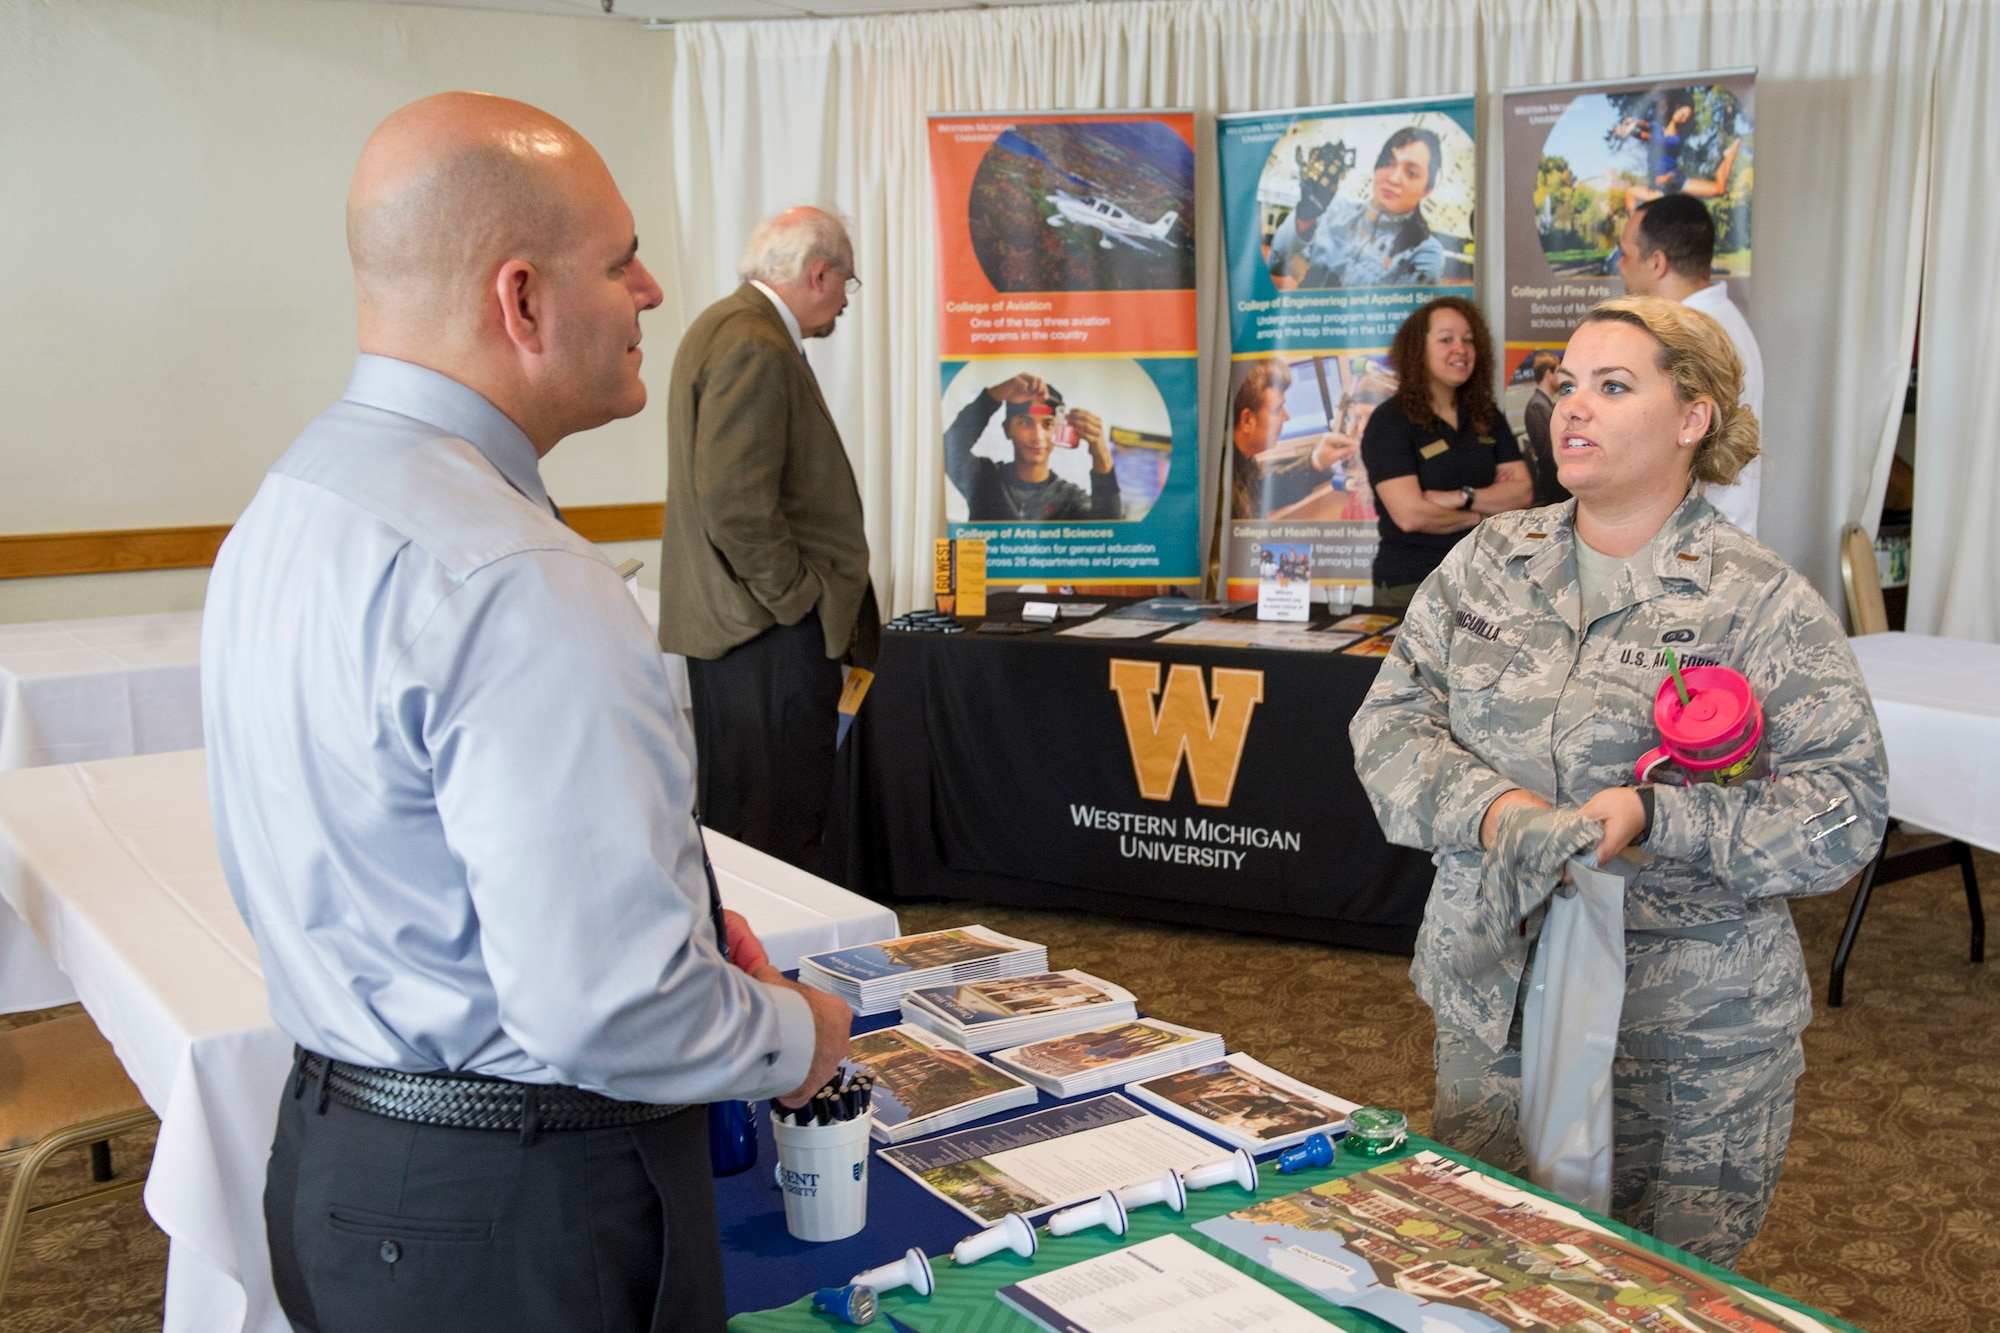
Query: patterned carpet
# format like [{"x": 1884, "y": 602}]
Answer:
[{"x": 1888, "y": 1214}]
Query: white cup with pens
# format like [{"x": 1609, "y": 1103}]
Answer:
[{"x": 823, "y": 1158}]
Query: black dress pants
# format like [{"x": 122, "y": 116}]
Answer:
[
  {"x": 385, "y": 1226},
  {"x": 765, "y": 717}
]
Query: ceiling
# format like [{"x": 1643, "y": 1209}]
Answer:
[{"x": 689, "y": 10}]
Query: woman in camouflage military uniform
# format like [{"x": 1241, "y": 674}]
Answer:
[{"x": 1502, "y": 734}]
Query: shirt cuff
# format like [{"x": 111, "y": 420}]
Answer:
[
  {"x": 1460, "y": 830},
  {"x": 796, "y": 1043},
  {"x": 1680, "y": 825}
]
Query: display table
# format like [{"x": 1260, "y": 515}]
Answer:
[
  {"x": 964, "y": 1301},
  {"x": 1002, "y": 768},
  {"x": 1939, "y": 704},
  {"x": 113, "y": 866},
  {"x": 72, "y": 690}
]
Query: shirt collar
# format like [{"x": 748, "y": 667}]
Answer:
[
  {"x": 1712, "y": 297},
  {"x": 422, "y": 394},
  {"x": 1680, "y": 552},
  {"x": 784, "y": 313}
]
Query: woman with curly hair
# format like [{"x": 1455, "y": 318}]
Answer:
[
  {"x": 1503, "y": 736},
  {"x": 1441, "y": 456}
]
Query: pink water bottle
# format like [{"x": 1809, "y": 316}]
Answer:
[{"x": 1711, "y": 730}]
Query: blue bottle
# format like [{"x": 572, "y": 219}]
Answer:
[
  {"x": 732, "y": 1126},
  {"x": 732, "y": 1137}
]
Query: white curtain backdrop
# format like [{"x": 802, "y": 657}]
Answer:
[
  {"x": 764, "y": 115},
  {"x": 1954, "y": 539}
]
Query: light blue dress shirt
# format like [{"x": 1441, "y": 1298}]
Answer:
[{"x": 452, "y": 793}]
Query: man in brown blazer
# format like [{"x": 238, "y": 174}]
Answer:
[{"x": 764, "y": 582}]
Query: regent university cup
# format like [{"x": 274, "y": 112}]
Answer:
[{"x": 823, "y": 1170}]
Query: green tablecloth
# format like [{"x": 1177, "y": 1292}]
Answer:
[{"x": 964, "y": 1303}]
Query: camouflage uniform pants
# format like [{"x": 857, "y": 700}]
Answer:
[{"x": 1697, "y": 1143}]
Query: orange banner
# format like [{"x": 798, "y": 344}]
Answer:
[{"x": 1047, "y": 307}]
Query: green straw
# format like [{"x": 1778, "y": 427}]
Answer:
[{"x": 1674, "y": 665}]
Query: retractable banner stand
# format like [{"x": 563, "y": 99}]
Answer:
[
  {"x": 1579, "y": 159},
  {"x": 1338, "y": 222},
  {"x": 1067, "y": 335}
]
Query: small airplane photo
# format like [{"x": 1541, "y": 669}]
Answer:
[{"x": 1112, "y": 222}]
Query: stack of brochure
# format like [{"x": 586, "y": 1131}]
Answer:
[
  {"x": 1009, "y": 1011},
  {"x": 1245, "y": 1104},
  {"x": 924, "y": 1084},
  {"x": 873, "y": 978},
  {"x": 1104, "y": 1057}
]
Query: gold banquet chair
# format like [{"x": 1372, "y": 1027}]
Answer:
[
  {"x": 1862, "y": 582},
  {"x": 60, "y": 1085}
]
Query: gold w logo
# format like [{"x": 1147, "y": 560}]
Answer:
[{"x": 1183, "y": 726}]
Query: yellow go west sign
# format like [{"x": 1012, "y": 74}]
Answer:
[{"x": 1183, "y": 726}]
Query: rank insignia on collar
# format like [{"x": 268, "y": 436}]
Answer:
[
  {"x": 1538, "y": 535},
  {"x": 1691, "y": 559}
]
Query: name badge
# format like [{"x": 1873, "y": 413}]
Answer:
[
  {"x": 1486, "y": 439},
  {"x": 1433, "y": 449}
]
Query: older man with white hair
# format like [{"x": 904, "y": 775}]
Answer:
[{"x": 764, "y": 582}]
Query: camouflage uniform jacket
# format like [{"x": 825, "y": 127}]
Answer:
[{"x": 1491, "y": 687}]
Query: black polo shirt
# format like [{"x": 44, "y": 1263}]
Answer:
[{"x": 1441, "y": 458}]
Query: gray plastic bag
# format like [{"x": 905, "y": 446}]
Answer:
[{"x": 1569, "y": 1035}]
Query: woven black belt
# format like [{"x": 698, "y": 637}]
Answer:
[{"x": 466, "y": 1101}]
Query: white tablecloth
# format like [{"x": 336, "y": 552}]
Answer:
[
  {"x": 1939, "y": 703},
  {"x": 73, "y": 690},
  {"x": 113, "y": 866},
  {"x": 77, "y": 690}
]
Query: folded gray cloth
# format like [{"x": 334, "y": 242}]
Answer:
[{"x": 1521, "y": 869}]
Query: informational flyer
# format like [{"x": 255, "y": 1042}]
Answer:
[
  {"x": 1235, "y": 633},
  {"x": 1050, "y": 1158},
  {"x": 1430, "y": 1246},
  {"x": 1579, "y": 158},
  {"x": 1338, "y": 222},
  {"x": 1066, "y": 332},
  {"x": 1284, "y": 581},
  {"x": 1164, "y": 1285}
]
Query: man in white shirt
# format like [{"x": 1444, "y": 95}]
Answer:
[
  {"x": 453, "y": 796},
  {"x": 1668, "y": 250}
]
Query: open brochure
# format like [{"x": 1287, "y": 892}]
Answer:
[
  {"x": 1163, "y": 1285},
  {"x": 1049, "y": 1158},
  {"x": 1245, "y": 1103},
  {"x": 1260, "y": 634},
  {"x": 1117, "y": 627},
  {"x": 1423, "y": 1243},
  {"x": 924, "y": 1084}
]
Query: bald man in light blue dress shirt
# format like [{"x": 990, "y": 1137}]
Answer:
[{"x": 454, "y": 798}]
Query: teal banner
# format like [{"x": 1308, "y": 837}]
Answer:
[
  {"x": 1147, "y": 406},
  {"x": 1337, "y": 222}
]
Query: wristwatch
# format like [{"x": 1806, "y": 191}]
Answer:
[{"x": 1468, "y": 492}]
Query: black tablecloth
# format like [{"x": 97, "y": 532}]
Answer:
[{"x": 1006, "y": 768}]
